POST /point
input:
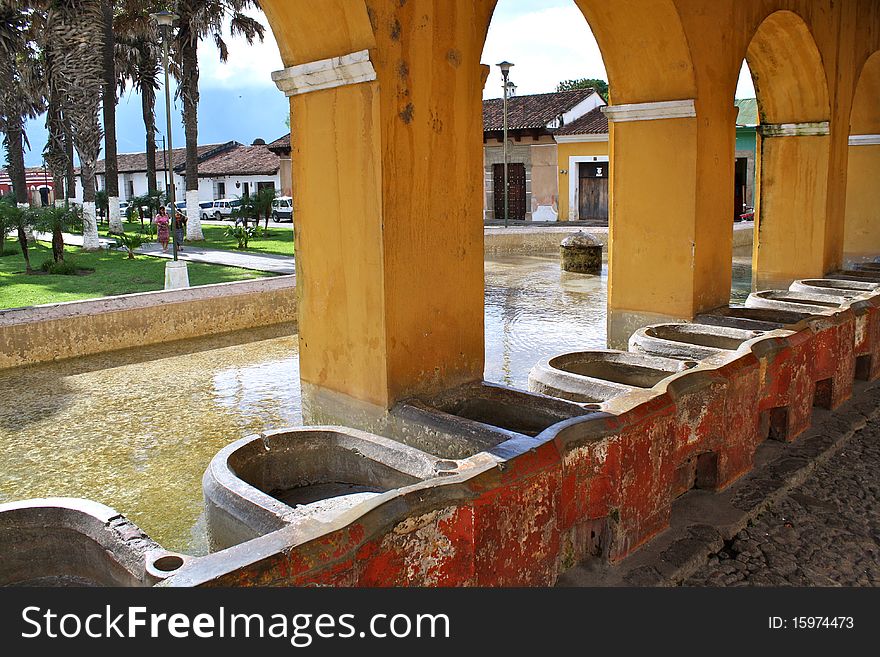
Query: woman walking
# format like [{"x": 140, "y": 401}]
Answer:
[
  {"x": 163, "y": 226},
  {"x": 179, "y": 229}
]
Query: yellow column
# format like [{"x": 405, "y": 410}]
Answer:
[
  {"x": 862, "y": 228},
  {"x": 387, "y": 165},
  {"x": 790, "y": 208},
  {"x": 670, "y": 233}
]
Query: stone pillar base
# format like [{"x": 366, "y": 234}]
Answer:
[
  {"x": 176, "y": 275},
  {"x": 622, "y": 324}
]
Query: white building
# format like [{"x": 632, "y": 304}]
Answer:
[{"x": 227, "y": 170}]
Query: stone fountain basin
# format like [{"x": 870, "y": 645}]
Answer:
[
  {"x": 303, "y": 476},
  {"x": 689, "y": 341},
  {"x": 755, "y": 319},
  {"x": 593, "y": 377},
  {"x": 476, "y": 417},
  {"x": 855, "y": 275},
  {"x": 75, "y": 542},
  {"x": 833, "y": 287},
  {"x": 797, "y": 301}
]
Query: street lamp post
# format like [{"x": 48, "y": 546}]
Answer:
[
  {"x": 505, "y": 70},
  {"x": 175, "y": 273}
]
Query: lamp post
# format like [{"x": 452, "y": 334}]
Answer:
[
  {"x": 505, "y": 71},
  {"x": 175, "y": 272}
]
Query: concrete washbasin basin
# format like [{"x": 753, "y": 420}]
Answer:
[
  {"x": 474, "y": 418},
  {"x": 797, "y": 301},
  {"x": 833, "y": 287},
  {"x": 303, "y": 476},
  {"x": 755, "y": 319},
  {"x": 72, "y": 542},
  {"x": 689, "y": 341},
  {"x": 593, "y": 377}
]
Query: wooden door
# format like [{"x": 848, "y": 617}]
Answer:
[
  {"x": 593, "y": 191},
  {"x": 516, "y": 190}
]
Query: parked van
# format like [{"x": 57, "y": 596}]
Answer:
[
  {"x": 220, "y": 209},
  {"x": 282, "y": 209}
]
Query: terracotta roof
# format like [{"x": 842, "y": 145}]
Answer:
[
  {"x": 136, "y": 162},
  {"x": 593, "y": 122},
  {"x": 241, "y": 160},
  {"x": 280, "y": 146},
  {"x": 535, "y": 111}
]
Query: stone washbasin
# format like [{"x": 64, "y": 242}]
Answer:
[
  {"x": 304, "y": 476},
  {"x": 797, "y": 301},
  {"x": 755, "y": 319},
  {"x": 833, "y": 287},
  {"x": 68, "y": 542},
  {"x": 593, "y": 377},
  {"x": 689, "y": 341},
  {"x": 867, "y": 266},
  {"x": 476, "y": 417},
  {"x": 855, "y": 275}
]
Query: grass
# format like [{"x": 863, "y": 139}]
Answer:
[
  {"x": 114, "y": 274},
  {"x": 279, "y": 240}
]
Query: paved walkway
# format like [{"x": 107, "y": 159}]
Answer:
[
  {"x": 266, "y": 262},
  {"x": 825, "y": 532}
]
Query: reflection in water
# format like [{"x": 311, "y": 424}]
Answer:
[
  {"x": 136, "y": 429},
  {"x": 535, "y": 310}
]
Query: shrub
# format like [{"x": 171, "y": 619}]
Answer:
[
  {"x": 130, "y": 242},
  {"x": 241, "y": 233},
  {"x": 61, "y": 268}
]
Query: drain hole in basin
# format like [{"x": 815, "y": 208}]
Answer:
[
  {"x": 168, "y": 563},
  {"x": 593, "y": 407},
  {"x": 445, "y": 467}
]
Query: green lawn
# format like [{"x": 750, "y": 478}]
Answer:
[
  {"x": 114, "y": 274},
  {"x": 279, "y": 240}
]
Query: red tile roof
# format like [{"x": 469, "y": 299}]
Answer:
[
  {"x": 280, "y": 146},
  {"x": 241, "y": 160},
  {"x": 593, "y": 122},
  {"x": 535, "y": 111},
  {"x": 137, "y": 162}
]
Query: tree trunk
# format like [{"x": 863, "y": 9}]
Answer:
[
  {"x": 15, "y": 158},
  {"x": 57, "y": 244},
  {"x": 108, "y": 97},
  {"x": 148, "y": 110},
  {"x": 190, "y": 93},
  {"x": 70, "y": 188}
]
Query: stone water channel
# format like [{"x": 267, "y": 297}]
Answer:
[{"x": 136, "y": 429}]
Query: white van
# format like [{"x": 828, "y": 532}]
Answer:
[{"x": 282, "y": 209}]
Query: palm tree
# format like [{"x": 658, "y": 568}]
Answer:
[
  {"x": 73, "y": 39},
  {"x": 108, "y": 104},
  {"x": 202, "y": 19},
  {"x": 137, "y": 62},
  {"x": 21, "y": 97}
]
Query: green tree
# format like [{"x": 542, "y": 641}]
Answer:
[
  {"x": 600, "y": 86},
  {"x": 263, "y": 202},
  {"x": 56, "y": 220}
]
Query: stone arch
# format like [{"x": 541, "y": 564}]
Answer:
[
  {"x": 861, "y": 238},
  {"x": 651, "y": 62},
  {"x": 787, "y": 71},
  {"x": 794, "y": 147}
]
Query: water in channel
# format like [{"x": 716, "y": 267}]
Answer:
[{"x": 136, "y": 429}]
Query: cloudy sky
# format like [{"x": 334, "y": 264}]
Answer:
[{"x": 547, "y": 40}]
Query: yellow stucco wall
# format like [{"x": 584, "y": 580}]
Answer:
[
  {"x": 863, "y": 202},
  {"x": 565, "y": 151}
]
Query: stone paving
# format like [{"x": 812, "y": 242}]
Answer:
[{"x": 825, "y": 532}]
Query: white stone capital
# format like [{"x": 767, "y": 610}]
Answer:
[
  {"x": 664, "y": 109},
  {"x": 807, "y": 129},
  {"x": 864, "y": 140},
  {"x": 325, "y": 74}
]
